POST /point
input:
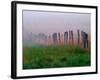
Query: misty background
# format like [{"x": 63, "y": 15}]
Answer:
[{"x": 40, "y": 24}]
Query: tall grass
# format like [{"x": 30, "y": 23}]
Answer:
[{"x": 55, "y": 56}]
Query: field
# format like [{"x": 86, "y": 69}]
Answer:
[{"x": 55, "y": 56}]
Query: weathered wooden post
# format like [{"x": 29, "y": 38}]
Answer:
[
  {"x": 62, "y": 38},
  {"x": 65, "y": 37},
  {"x": 84, "y": 39},
  {"x": 78, "y": 33},
  {"x": 59, "y": 38},
  {"x": 54, "y": 36},
  {"x": 72, "y": 36},
  {"x": 69, "y": 36}
]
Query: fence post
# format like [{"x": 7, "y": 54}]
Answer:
[
  {"x": 65, "y": 37},
  {"x": 72, "y": 36},
  {"x": 59, "y": 40},
  {"x": 78, "y": 33},
  {"x": 84, "y": 39},
  {"x": 69, "y": 36},
  {"x": 54, "y": 36}
]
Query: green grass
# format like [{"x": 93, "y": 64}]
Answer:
[{"x": 55, "y": 57}]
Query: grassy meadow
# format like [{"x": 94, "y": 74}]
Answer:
[{"x": 55, "y": 56}]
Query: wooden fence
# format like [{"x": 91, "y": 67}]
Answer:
[{"x": 68, "y": 37}]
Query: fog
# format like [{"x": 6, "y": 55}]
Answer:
[{"x": 35, "y": 22}]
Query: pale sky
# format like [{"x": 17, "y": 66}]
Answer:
[{"x": 50, "y": 22}]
